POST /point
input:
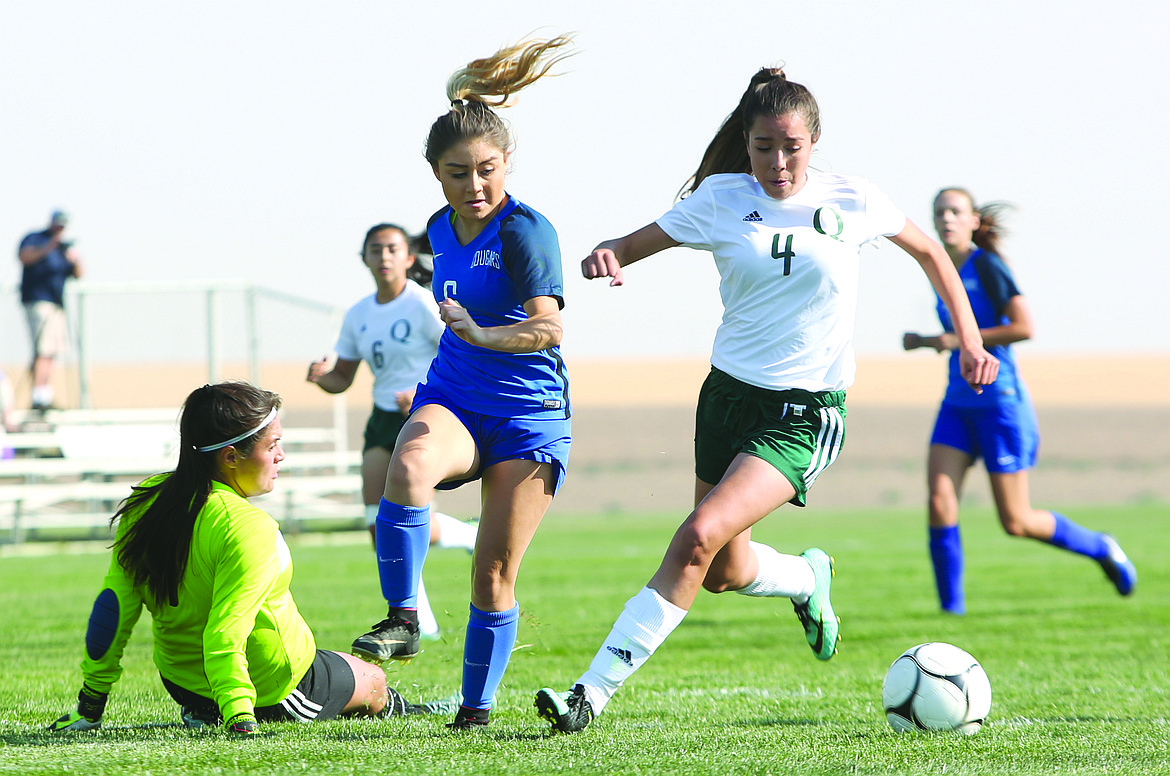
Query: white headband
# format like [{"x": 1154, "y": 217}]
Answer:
[{"x": 271, "y": 417}]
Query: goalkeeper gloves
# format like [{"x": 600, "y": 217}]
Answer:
[
  {"x": 243, "y": 725},
  {"x": 91, "y": 704}
]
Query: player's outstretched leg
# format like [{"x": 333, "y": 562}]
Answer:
[
  {"x": 816, "y": 614},
  {"x": 1101, "y": 547}
]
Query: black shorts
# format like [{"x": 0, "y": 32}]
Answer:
[
  {"x": 322, "y": 693},
  {"x": 382, "y": 429}
]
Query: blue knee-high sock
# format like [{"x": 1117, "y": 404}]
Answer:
[
  {"x": 1076, "y": 538},
  {"x": 486, "y": 651},
  {"x": 402, "y": 535},
  {"x": 946, "y": 553}
]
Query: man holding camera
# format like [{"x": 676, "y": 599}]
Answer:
[{"x": 48, "y": 260}]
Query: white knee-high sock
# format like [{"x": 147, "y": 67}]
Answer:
[
  {"x": 643, "y": 625},
  {"x": 780, "y": 576},
  {"x": 371, "y": 514},
  {"x": 427, "y": 624},
  {"x": 454, "y": 532}
]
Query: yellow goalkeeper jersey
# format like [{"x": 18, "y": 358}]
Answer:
[{"x": 236, "y": 635}]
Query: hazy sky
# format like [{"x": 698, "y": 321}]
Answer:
[{"x": 259, "y": 140}]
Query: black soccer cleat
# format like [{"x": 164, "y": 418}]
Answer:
[
  {"x": 470, "y": 719},
  {"x": 394, "y": 638},
  {"x": 569, "y": 712}
]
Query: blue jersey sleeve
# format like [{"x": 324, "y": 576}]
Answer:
[
  {"x": 532, "y": 255},
  {"x": 996, "y": 279}
]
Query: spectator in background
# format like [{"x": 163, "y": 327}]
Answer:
[{"x": 48, "y": 260}]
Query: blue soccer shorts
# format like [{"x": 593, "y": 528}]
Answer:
[
  {"x": 506, "y": 439},
  {"x": 1006, "y": 436}
]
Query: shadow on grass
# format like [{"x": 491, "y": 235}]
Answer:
[{"x": 145, "y": 732}]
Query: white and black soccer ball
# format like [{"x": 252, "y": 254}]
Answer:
[{"x": 936, "y": 686}]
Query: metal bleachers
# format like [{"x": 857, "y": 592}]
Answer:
[{"x": 64, "y": 476}]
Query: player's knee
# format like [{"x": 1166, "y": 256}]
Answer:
[
  {"x": 406, "y": 480},
  {"x": 490, "y": 586},
  {"x": 693, "y": 545},
  {"x": 943, "y": 508},
  {"x": 716, "y": 582},
  {"x": 1014, "y": 524}
]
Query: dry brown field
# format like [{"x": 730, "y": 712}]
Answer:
[{"x": 1105, "y": 422}]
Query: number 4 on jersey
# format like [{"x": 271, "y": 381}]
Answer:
[{"x": 785, "y": 254}]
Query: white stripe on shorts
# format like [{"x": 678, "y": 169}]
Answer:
[
  {"x": 301, "y": 708},
  {"x": 828, "y": 444}
]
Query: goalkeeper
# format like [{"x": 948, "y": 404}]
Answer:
[{"x": 214, "y": 572}]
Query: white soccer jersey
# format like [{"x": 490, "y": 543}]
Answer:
[
  {"x": 397, "y": 340},
  {"x": 788, "y": 273}
]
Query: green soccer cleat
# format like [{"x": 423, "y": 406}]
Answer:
[
  {"x": 821, "y": 625},
  {"x": 569, "y": 712}
]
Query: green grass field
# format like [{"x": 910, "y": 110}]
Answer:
[{"x": 1080, "y": 676}]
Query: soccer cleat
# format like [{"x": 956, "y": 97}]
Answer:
[
  {"x": 243, "y": 724},
  {"x": 74, "y": 722},
  {"x": 199, "y": 719},
  {"x": 470, "y": 719},
  {"x": 821, "y": 625},
  {"x": 91, "y": 705},
  {"x": 1118, "y": 567},
  {"x": 448, "y": 705},
  {"x": 396, "y": 705},
  {"x": 394, "y": 638},
  {"x": 569, "y": 712}
]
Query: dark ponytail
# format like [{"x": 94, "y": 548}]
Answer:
[
  {"x": 769, "y": 93},
  {"x": 154, "y": 550}
]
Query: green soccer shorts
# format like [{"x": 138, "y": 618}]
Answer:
[{"x": 799, "y": 432}]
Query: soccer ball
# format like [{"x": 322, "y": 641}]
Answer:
[{"x": 936, "y": 686}]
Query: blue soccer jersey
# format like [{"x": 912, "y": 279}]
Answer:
[
  {"x": 515, "y": 258},
  {"x": 988, "y": 290}
]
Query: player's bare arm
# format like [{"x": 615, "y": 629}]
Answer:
[
  {"x": 979, "y": 367},
  {"x": 338, "y": 379},
  {"x": 542, "y": 329},
  {"x": 608, "y": 258}
]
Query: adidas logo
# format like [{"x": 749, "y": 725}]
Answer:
[
  {"x": 623, "y": 655},
  {"x": 753, "y": 216}
]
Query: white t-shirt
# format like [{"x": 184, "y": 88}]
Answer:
[
  {"x": 788, "y": 273},
  {"x": 397, "y": 340}
]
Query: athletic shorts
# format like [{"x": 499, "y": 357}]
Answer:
[
  {"x": 324, "y": 691},
  {"x": 382, "y": 429},
  {"x": 506, "y": 439},
  {"x": 799, "y": 432},
  {"x": 46, "y": 324},
  {"x": 1006, "y": 436}
]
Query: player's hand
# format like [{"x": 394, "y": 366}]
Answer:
[
  {"x": 242, "y": 725},
  {"x": 978, "y": 367},
  {"x": 317, "y": 370},
  {"x": 91, "y": 705},
  {"x": 602, "y": 263},
  {"x": 460, "y": 322},
  {"x": 404, "y": 399}
]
